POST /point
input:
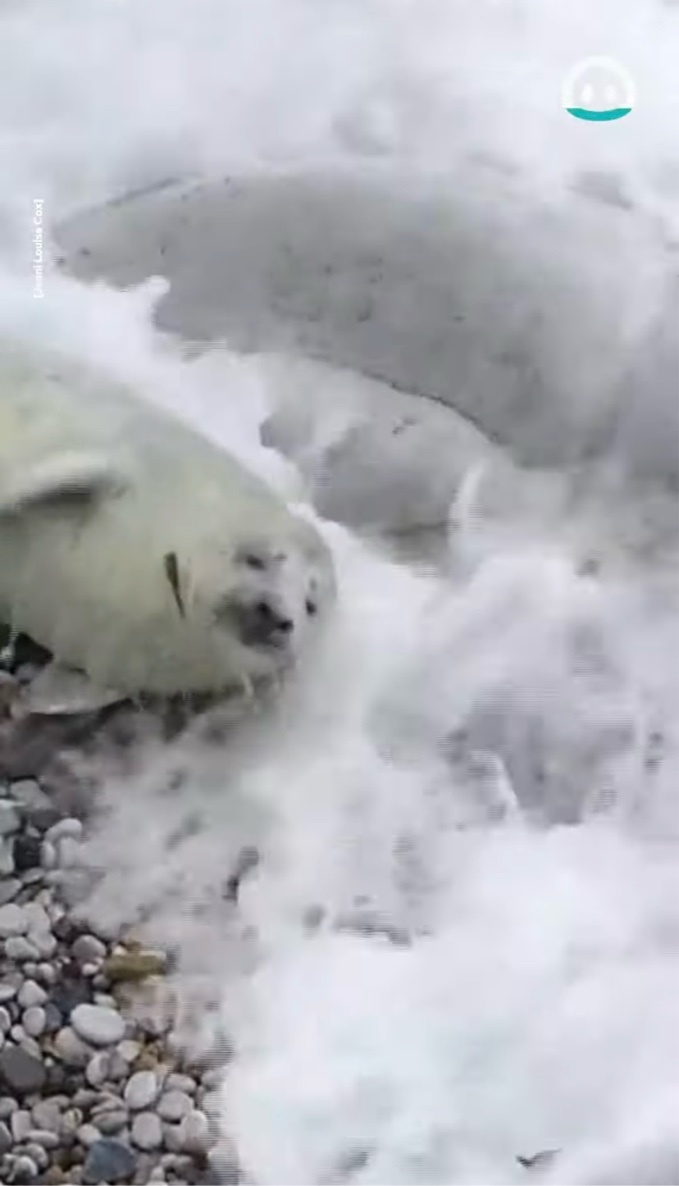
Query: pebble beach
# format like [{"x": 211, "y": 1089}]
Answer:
[{"x": 94, "y": 1084}]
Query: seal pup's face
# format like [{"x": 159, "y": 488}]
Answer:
[{"x": 268, "y": 597}]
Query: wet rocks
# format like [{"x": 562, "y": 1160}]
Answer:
[
  {"x": 108, "y": 1160},
  {"x": 173, "y": 1106},
  {"x": 194, "y": 1135},
  {"x": 93, "y": 1086},
  {"x": 142, "y": 1091},
  {"x": 147, "y": 1131},
  {"x": 21, "y": 1073},
  {"x": 97, "y": 1025},
  {"x": 13, "y": 921}
]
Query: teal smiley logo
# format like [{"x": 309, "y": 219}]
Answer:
[{"x": 599, "y": 90}]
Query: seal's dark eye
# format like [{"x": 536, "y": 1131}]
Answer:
[
  {"x": 254, "y": 561},
  {"x": 311, "y": 607}
]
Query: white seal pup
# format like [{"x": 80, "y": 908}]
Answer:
[{"x": 136, "y": 550}]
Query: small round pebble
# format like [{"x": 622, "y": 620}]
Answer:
[
  {"x": 111, "y": 1122},
  {"x": 46, "y": 973},
  {"x": 178, "y": 1082},
  {"x": 20, "y": 1124},
  {"x": 46, "y": 1115},
  {"x": 13, "y": 921},
  {"x": 128, "y": 1049},
  {"x": 147, "y": 1131},
  {"x": 34, "y": 1021},
  {"x": 98, "y": 1025},
  {"x": 173, "y": 1106},
  {"x": 7, "y": 1106},
  {"x": 141, "y": 1091},
  {"x": 71, "y": 1049},
  {"x": 98, "y": 1068},
  {"x": 26, "y": 851},
  {"x": 44, "y": 1137},
  {"x": 20, "y": 949},
  {"x": 194, "y": 1134},
  {"x": 118, "y": 1069},
  {"x": 88, "y": 949},
  {"x": 87, "y": 1134},
  {"x": 31, "y": 994},
  {"x": 212, "y": 1078},
  {"x": 45, "y": 943},
  {"x": 105, "y": 998},
  {"x": 84, "y": 1098},
  {"x": 105, "y": 1099}
]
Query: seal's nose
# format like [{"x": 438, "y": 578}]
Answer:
[
  {"x": 268, "y": 621},
  {"x": 259, "y": 621},
  {"x": 264, "y": 625}
]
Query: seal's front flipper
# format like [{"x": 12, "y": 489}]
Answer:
[
  {"x": 61, "y": 690},
  {"x": 67, "y": 480}
]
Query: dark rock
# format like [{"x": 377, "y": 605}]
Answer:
[
  {"x": 21, "y": 1072},
  {"x": 27, "y": 850},
  {"x": 53, "y": 1018},
  {"x": 57, "y": 1079},
  {"x": 6, "y": 1141},
  {"x": 70, "y": 991},
  {"x": 14, "y": 1010},
  {"x": 108, "y": 1161},
  {"x": 67, "y": 929}
]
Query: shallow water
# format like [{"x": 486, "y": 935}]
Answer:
[{"x": 461, "y": 944}]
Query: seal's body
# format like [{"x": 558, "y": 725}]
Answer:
[{"x": 135, "y": 549}]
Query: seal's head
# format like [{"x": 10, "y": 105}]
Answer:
[{"x": 264, "y": 597}]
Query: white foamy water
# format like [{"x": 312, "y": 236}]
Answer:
[{"x": 461, "y": 944}]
